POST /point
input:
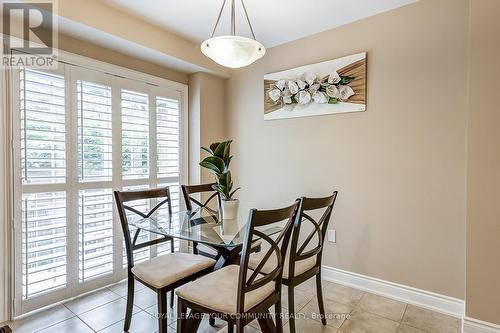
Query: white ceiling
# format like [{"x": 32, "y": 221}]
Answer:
[{"x": 274, "y": 21}]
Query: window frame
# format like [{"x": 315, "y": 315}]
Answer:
[{"x": 75, "y": 68}]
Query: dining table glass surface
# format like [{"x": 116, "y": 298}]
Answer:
[{"x": 204, "y": 226}]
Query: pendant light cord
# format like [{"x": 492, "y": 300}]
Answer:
[
  {"x": 233, "y": 18},
  {"x": 218, "y": 18},
  {"x": 248, "y": 19}
]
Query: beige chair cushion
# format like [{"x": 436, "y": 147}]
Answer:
[
  {"x": 170, "y": 268},
  {"x": 300, "y": 266},
  {"x": 218, "y": 291}
]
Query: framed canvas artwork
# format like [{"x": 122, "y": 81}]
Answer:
[{"x": 334, "y": 86}]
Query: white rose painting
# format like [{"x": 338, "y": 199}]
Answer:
[{"x": 335, "y": 86}]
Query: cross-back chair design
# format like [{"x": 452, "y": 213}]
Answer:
[
  {"x": 237, "y": 294},
  {"x": 305, "y": 256},
  {"x": 163, "y": 273},
  {"x": 193, "y": 205},
  {"x": 189, "y": 190}
]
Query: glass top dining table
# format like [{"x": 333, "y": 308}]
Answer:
[{"x": 204, "y": 226}]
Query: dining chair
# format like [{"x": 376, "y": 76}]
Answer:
[
  {"x": 306, "y": 248},
  {"x": 188, "y": 191},
  {"x": 235, "y": 293},
  {"x": 163, "y": 273},
  {"x": 190, "y": 201}
]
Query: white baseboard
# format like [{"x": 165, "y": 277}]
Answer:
[
  {"x": 436, "y": 302},
  {"x": 472, "y": 325}
]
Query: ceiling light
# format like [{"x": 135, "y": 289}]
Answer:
[{"x": 233, "y": 51}]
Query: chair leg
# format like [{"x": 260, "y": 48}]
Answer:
[
  {"x": 279, "y": 319},
  {"x": 266, "y": 322},
  {"x": 195, "y": 248},
  {"x": 211, "y": 320},
  {"x": 130, "y": 303},
  {"x": 319, "y": 294},
  {"x": 230, "y": 328},
  {"x": 162, "y": 312},
  {"x": 181, "y": 315},
  {"x": 240, "y": 328},
  {"x": 291, "y": 308},
  {"x": 172, "y": 292}
]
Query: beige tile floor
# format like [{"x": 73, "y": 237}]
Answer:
[{"x": 351, "y": 311}]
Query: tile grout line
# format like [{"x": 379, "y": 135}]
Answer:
[
  {"x": 77, "y": 316},
  {"x": 133, "y": 314}
]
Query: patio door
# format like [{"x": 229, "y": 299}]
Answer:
[{"x": 78, "y": 135}]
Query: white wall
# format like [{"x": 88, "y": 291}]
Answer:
[{"x": 399, "y": 167}]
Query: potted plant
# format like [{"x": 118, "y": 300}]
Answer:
[{"x": 218, "y": 163}]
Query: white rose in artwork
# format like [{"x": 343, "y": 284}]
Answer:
[
  {"x": 275, "y": 94},
  {"x": 313, "y": 88},
  {"x": 345, "y": 92},
  {"x": 293, "y": 87},
  {"x": 334, "y": 78},
  {"x": 332, "y": 91},
  {"x": 301, "y": 84},
  {"x": 304, "y": 97},
  {"x": 320, "y": 97},
  {"x": 281, "y": 84},
  {"x": 287, "y": 96},
  {"x": 309, "y": 78}
]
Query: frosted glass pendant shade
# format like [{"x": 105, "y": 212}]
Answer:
[{"x": 233, "y": 51}]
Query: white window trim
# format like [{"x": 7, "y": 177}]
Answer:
[
  {"x": 6, "y": 181},
  {"x": 120, "y": 74}
]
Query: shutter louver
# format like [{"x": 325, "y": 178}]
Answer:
[
  {"x": 43, "y": 133},
  {"x": 167, "y": 137},
  {"x": 135, "y": 135},
  {"x": 44, "y": 242},
  {"x": 94, "y": 132},
  {"x": 95, "y": 233}
]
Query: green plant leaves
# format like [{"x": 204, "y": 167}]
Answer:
[
  {"x": 223, "y": 150},
  {"x": 213, "y": 146},
  {"x": 214, "y": 163},
  {"x": 232, "y": 193},
  {"x": 208, "y": 150},
  {"x": 345, "y": 80},
  {"x": 333, "y": 100},
  {"x": 218, "y": 162}
]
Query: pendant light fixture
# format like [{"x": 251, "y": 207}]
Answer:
[{"x": 233, "y": 51}]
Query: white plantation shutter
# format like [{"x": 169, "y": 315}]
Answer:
[
  {"x": 43, "y": 133},
  {"x": 94, "y": 132},
  {"x": 95, "y": 234},
  {"x": 167, "y": 137},
  {"x": 43, "y": 242},
  {"x": 135, "y": 134},
  {"x": 42, "y": 125},
  {"x": 80, "y": 134}
]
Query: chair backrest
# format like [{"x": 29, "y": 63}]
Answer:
[
  {"x": 278, "y": 246},
  {"x": 312, "y": 244},
  {"x": 122, "y": 197},
  {"x": 189, "y": 190}
]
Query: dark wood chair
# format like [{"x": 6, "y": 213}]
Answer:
[
  {"x": 304, "y": 259},
  {"x": 235, "y": 293},
  {"x": 193, "y": 205},
  {"x": 189, "y": 190},
  {"x": 163, "y": 273}
]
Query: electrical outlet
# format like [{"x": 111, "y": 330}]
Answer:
[{"x": 332, "y": 236}]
